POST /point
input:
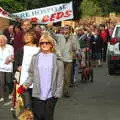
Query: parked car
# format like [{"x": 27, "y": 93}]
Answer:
[{"x": 113, "y": 51}]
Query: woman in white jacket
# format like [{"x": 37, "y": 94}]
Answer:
[{"x": 6, "y": 66}]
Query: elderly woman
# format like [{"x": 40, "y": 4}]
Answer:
[
  {"x": 6, "y": 67},
  {"x": 46, "y": 73}
]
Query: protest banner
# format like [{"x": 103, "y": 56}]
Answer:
[
  {"x": 4, "y": 14},
  {"x": 48, "y": 14},
  {"x": 7, "y": 15}
]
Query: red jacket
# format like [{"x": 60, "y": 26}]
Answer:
[
  {"x": 18, "y": 41},
  {"x": 104, "y": 35}
]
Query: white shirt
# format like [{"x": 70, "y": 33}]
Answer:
[
  {"x": 27, "y": 57},
  {"x": 45, "y": 67},
  {"x": 6, "y": 52}
]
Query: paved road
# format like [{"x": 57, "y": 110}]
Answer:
[
  {"x": 5, "y": 111},
  {"x": 92, "y": 101}
]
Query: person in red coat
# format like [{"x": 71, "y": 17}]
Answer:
[
  {"x": 104, "y": 34},
  {"x": 19, "y": 32}
]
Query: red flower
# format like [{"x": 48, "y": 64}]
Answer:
[{"x": 21, "y": 90}]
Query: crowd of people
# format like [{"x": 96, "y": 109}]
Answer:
[{"x": 48, "y": 59}]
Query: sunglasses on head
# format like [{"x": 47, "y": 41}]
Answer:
[{"x": 47, "y": 43}]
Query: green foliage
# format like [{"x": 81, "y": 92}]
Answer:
[
  {"x": 11, "y": 5},
  {"x": 99, "y": 7},
  {"x": 105, "y": 5},
  {"x": 108, "y": 6},
  {"x": 31, "y": 4},
  {"x": 90, "y": 8},
  {"x": 116, "y": 6}
]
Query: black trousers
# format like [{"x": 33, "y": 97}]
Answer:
[
  {"x": 104, "y": 51},
  {"x": 73, "y": 72},
  {"x": 43, "y": 110},
  {"x": 6, "y": 83},
  {"x": 27, "y": 98}
]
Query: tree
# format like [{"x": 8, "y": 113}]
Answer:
[
  {"x": 108, "y": 6},
  {"x": 116, "y": 6},
  {"x": 31, "y": 4},
  {"x": 105, "y": 5},
  {"x": 90, "y": 8},
  {"x": 11, "y": 5}
]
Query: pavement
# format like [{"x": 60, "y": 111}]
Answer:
[
  {"x": 5, "y": 113},
  {"x": 92, "y": 101},
  {"x": 99, "y": 100}
]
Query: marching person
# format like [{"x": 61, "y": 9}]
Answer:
[
  {"x": 96, "y": 44},
  {"x": 46, "y": 73},
  {"x": 22, "y": 61},
  {"x": 104, "y": 34},
  {"x": 67, "y": 47},
  {"x": 6, "y": 67},
  {"x": 19, "y": 35},
  {"x": 71, "y": 47}
]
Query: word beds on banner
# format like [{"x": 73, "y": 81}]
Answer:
[{"x": 49, "y": 14}]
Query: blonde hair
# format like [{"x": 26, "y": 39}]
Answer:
[{"x": 46, "y": 36}]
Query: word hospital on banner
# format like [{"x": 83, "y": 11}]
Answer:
[{"x": 49, "y": 14}]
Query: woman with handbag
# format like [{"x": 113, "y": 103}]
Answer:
[{"x": 22, "y": 61}]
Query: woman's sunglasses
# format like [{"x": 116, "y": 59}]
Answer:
[{"x": 47, "y": 43}]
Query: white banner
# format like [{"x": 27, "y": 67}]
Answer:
[{"x": 49, "y": 14}]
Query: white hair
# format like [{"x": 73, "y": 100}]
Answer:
[{"x": 3, "y": 37}]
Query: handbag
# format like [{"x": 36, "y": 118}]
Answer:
[{"x": 17, "y": 76}]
